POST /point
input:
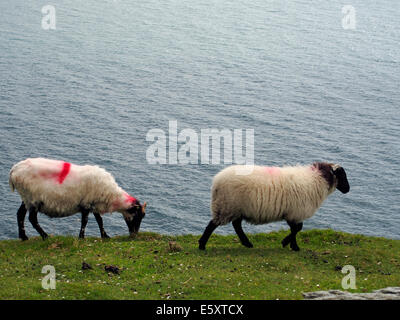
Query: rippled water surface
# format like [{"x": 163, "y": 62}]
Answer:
[{"x": 89, "y": 91}]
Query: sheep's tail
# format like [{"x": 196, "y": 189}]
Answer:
[
  {"x": 214, "y": 202},
  {"x": 11, "y": 177},
  {"x": 10, "y": 180}
]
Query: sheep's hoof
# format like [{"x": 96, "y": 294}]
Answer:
[
  {"x": 294, "y": 247},
  {"x": 248, "y": 244},
  {"x": 105, "y": 236},
  {"x": 24, "y": 238},
  {"x": 45, "y": 236},
  {"x": 202, "y": 246}
]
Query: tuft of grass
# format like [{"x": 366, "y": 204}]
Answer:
[{"x": 150, "y": 269}]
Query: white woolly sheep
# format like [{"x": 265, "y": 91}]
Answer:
[
  {"x": 60, "y": 189},
  {"x": 270, "y": 194}
]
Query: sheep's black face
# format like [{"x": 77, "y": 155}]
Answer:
[
  {"x": 342, "y": 183},
  {"x": 134, "y": 216}
]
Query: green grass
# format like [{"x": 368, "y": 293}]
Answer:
[{"x": 226, "y": 270}]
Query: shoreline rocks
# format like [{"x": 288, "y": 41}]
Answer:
[{"x": 389, "y": 293}]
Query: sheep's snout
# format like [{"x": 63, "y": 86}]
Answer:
[
  {"x": 342, "y": 182},
  {"x": 133, "y": 224}
]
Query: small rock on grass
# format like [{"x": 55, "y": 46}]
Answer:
[{"x": 174, "y": 247}]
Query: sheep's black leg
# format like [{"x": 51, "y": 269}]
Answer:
[
  {"x": 84, "y": 221},
  {"x": 21, "y": 218},
  {"x": 206, "y": 235},
  {"x": 237, "y": 225},
  {"x": 291, "y": 238},
  {"x": 287, "y": 240},
  {"x": 99, "y": 220},
  {"x": 294, "y": 230},
  {"x": 33, "y": 219}
]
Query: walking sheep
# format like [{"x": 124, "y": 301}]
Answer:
[
  {"x": 270, "y": 194},
  {"x": 61, "y": 189}
]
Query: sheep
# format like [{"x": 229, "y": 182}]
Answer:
[
  {"x": 267, "y": 194},
  {"x": 60, "y": 189}
]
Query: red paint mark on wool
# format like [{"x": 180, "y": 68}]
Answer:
[
  {"x": 129, "y": 199},
  {"x": 64, "y": 172},
  {"x": 272, "y": 170}
]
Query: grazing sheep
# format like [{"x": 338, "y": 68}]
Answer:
[
  {"x": 271, "y": 194},
  {"x": 61, "y": 189}
]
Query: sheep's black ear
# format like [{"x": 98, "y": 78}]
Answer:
[{"x": 342, "y": 183}]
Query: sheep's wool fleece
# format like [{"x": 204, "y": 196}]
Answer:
[
  {"x": 267, "y": 193},
  {"x": 61, "y": 189}
]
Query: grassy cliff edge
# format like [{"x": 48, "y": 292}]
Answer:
[{"x": 152, "y": 268}]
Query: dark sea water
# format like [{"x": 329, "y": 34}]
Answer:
[{"x": 90, "y": 91}]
